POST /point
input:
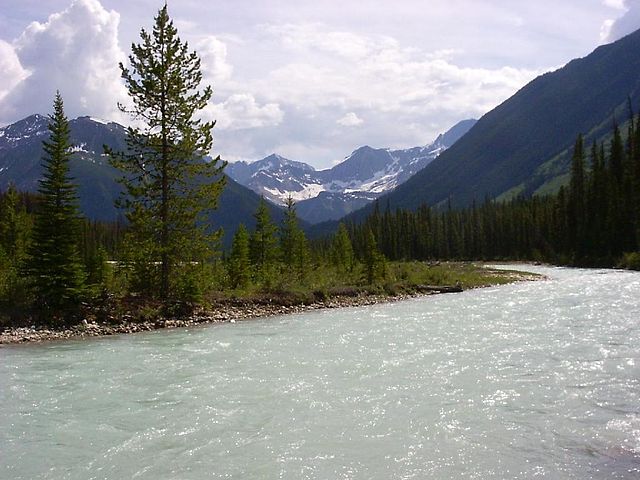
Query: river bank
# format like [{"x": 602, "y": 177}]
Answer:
[{"x": 238, "y": 309}]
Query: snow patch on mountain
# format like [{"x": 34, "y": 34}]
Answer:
[
  {"x": 365, "y": 174},
  {"x": 99, "y": 120}
]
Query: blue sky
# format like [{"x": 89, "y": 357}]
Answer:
[{"x": 309, "y": 80}]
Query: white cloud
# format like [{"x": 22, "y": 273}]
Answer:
[
  {"x": 629, "y": 22},
  {"x": 75, "y": 51},
  {"x": 387, "y": 78},
  {"x": 213, "y": 55},
  {"x": 242, "y": 111},
  {"x": 11, "y": 71},
  {"x": 350, "y": 120},
  {"x": 314, "y": 36},
  {"x": 618, "y": 4},
  {"x": 285, "y": 85}
]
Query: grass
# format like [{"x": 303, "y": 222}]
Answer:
[
  {"x": 400, "y": 278},
  {"x": 111, "y": 304}
]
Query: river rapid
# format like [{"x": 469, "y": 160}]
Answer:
[{"x": 532, "y": 380}]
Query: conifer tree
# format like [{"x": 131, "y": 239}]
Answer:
[
  {"x": 170, "y": 188},
  {"x": 342, "y": 250},
  {"x": 239, "y": 259},
  {"x": 54, "y": 266},
  {"x": 14, "y": 225},
  {"x": 15, "y": 230},
  {"x": 294, "y": 248},
  {"x": 263, "y": 243},
  {"x": 374, "y": 261},
  {"x": 288, "y": 233},
  {"x": 576, "y": 207}
]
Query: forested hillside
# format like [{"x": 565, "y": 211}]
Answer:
[{"x": 508, "y": 145}]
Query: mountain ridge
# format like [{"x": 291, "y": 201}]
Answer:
[
  {"x": 331, "y": 193},
  {"x": 510, "y": 143},
  {"x": 21, "y": 165}
]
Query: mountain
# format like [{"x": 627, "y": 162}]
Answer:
[
  {"x": 21, "y": 157},
  {"x": 330, "y": 194},
  {"x": 523, "y": 146}
]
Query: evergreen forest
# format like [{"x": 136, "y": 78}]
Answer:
[{"x": 55, "y": 265}]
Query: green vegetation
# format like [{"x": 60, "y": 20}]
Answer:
[
  {"x": 169, "y": 187},
  {"x": 165, "y": 261},
  {"x": 53, "y": 266},
  {"x": 593, "y": 222},
  {"x": 508, "y": 146}
]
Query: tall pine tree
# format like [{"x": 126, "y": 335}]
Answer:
[
  {"x": 170, "y": 188},
  {"x": 54, "y": 266}
]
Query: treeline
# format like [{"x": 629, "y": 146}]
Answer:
[
  {"x": 594, "y": 221},
  {"x": 271, "y": 259},
  {"x": 54, "y": 264}
]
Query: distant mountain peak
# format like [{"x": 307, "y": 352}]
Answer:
[
  {"x": 33, "y": 125},
  {"x": 362, "y": 176},
  {"x": 21, "y": 165},
  {"x": 524, "y": 145}
]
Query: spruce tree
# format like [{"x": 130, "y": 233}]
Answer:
[
  {"x": 239, "y": 259},
  {"x": 15, "y": 231},
  {"x": 294, "y": 248},
  {"x": 262, "y": 245},
  {"x": 170, "y": 188},
  {"x": 342, "y": 250},
  {"x": 54, "y": 266},
  {"x": 576, "y": 213},
  {"x": 374, "y": 261}
]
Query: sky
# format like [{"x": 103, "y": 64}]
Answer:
[{"x": 309, "y": 80}]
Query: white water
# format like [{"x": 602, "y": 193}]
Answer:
[{"x": 535, "y": 380}]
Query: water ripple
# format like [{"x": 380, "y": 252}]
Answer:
[{"x": 535, "y": 380}]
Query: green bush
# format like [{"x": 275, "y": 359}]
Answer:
[{"x": 630, "y": 261}]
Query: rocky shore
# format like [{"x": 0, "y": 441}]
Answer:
[
  {"x": 223, "y": 311},
  {"x": 238, "y": 309}
]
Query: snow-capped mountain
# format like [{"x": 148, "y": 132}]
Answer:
[
  {"x": 276, "y": 178},
  {"x": 21, "y": 165},
  {"x": 330, "y": 194}
]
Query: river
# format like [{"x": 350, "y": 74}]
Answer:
[{"x": 532, "y": 380}]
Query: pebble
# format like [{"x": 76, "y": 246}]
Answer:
[{"x": 223, "y": 312}]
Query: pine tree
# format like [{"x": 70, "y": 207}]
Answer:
[
  {"x": 262, "y": 245},
  {"x": 576, "y": 208},
  {"x": 294, "y": 249},
  {"x": 239, "y": 259},
  {"x": 342, "y": 250},
  {"x": 15, "y": 231},
  {"x": 170, "y": 188},
  {"x": 374, "y": 261},
  {"x": 14, "y": 226},
  {"x": 54, "y": 266}
]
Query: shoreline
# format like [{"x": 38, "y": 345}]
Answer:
[
  {"x": 224, "y": 312},
  {"x": 227, "y": 311}
]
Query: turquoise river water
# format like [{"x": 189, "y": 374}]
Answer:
[{"x": 533, "y": 380}]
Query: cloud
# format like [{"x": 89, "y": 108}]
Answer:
[
  {"x": 619, "y": 4},
  {"x": 289, "y": 87},
  {"x": 213, "y": 56},
  {"x": 350, "y": 120},
  {"x": 11, "y": 71},
  {"x": 300, "y": 101},
  {"x": 629, "y": 22},
  {"x": 387, "y": 78},
  {"x": 75, "y": 51},
  {"x": 241, "y": 111}
]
